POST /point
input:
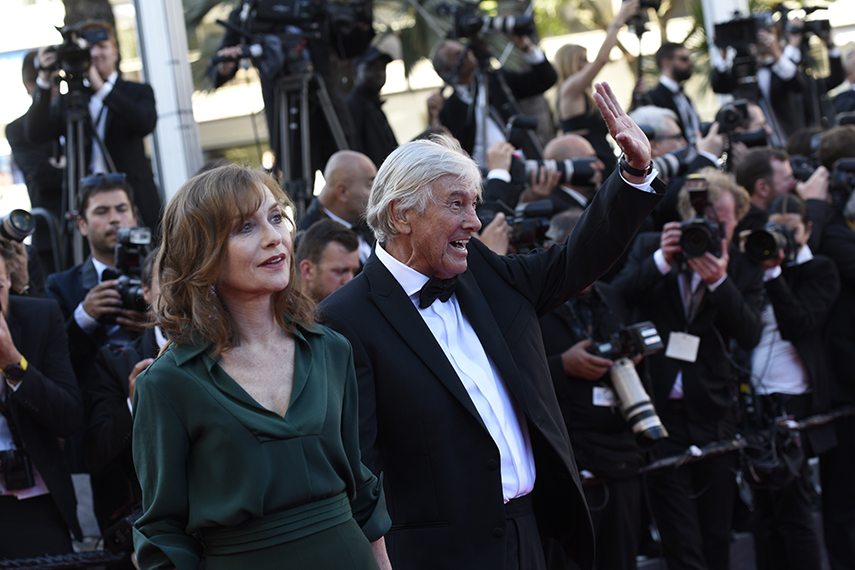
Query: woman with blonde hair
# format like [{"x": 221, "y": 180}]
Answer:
[
  {"x": 246, "y": 428},
  {"x": 577, "y": 112}
]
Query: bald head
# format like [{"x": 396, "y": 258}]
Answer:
[
  {"x": 349, "y": 176},
  {"x": 567, "y": 147}
]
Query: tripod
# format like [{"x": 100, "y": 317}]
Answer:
[
  {"x": 292, "y": 113},
  {"x": 76, "y": 119}
]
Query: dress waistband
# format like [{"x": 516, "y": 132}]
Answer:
[{"x": 277, "y": 528}]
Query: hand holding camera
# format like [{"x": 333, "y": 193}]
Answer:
[
  {"x": 710, "y": 267},
  {"x": 103, "y": 300},
  {"x": 578, "y": 361}
]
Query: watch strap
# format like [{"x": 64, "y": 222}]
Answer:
[{"x": 626, "y": 167}]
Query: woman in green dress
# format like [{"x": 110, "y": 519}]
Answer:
[{"x": 246, "y": 428}]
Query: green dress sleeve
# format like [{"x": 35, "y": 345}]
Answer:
[{"x": 160, "y": 448}]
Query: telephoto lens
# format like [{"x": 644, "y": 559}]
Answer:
[{"x": 18, "y": 225}]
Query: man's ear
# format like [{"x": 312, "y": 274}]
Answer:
[
  {"x": 400, "y": 218},
  {"x": 808, "y": 230},
  {"x": 81, "y": 225},
  {"x": 341, "y": 192},
  {"x": 307, "y": 270}
]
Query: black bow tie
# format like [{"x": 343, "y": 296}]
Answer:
[{"x": 436, "y": 288}]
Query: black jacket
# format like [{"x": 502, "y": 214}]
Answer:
[
  {"x": 46, "y": 406},
  {"x": 373, "y": 136},
  {"x": 109, "y": 422},
  {"x": 417, "y": 423},
  {"x": 661, "y": 96}
]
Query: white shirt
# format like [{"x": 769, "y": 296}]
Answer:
[
  {"x": 364, "y": 246},
  {"x": 498, "y": 410},
  {"x": 98, "y": 113},
  {"x": 85, "y": 321},
  {"x": 776, "y": 366}
]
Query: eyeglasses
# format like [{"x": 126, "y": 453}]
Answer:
[{"x": 95, "y": 179}]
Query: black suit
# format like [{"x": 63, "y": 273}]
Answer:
[
  {"x": 845, "y": 102},
  {"x": 131, "y": 116},
  {"x": 373, "y": 136},
  {"x": 694, "y": 525},
  {"x": 420, "y": 428},
  {"x": 459, "y": 117},
  {"x": 69, "y": 288},
  {"x": 108, "y": 429},
  {"x": 663, "y": 97},
  {"x": 46, "y": 406}
]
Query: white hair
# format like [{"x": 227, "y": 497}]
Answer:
[
  {"x": 653, "y": 117},
  {"x": 407, "y": 176}
]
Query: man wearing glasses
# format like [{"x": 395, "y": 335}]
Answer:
[
  {"x": 91, "y": 305},
  {"x": 675, "y": 66}
]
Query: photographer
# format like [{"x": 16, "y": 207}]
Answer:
[
  {"x": 324, "y": 51},
  {"x": 462, "y": 113},
  {"x": 675, "y": 65},
  {"x": 603, "y": 443},
  {"x": 39, "y": 406},
  {"x": 90, "y": 303},
  {"x": 699, "y": 299},
  {"x": 107, "y": 446},
  {"x": 790, "y": 375},
  {"x": 122, "y": 113},
  {"x": 767, "y": 173},
  {"x": 667, "y": 140}
]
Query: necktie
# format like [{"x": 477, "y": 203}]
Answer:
[{"x": 436, "y": 288}]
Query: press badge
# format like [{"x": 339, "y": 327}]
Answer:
[
  {"x": 604, "y": 396},
  {"x": 683, "y": 346}
]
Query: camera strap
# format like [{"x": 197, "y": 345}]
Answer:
[{"x": 10, "y": 421}]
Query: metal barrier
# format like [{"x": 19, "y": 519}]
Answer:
[
  {"x": 65, "y": 561},
  {"x": 695, "y": 454}
]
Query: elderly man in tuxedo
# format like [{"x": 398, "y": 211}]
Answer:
[{"x": 457, "y": 409}]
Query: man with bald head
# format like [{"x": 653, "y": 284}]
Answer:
[
  {"x": 348, "y": 176},
  {"x": 573, "y": 196}
]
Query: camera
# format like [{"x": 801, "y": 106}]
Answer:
[
  {"x": 735, "y": 116},
  {"x": 676, "y": 163},
  {"x": 699, "y": 235},
  {"x": 469, "y": 22},
  {"x": 17, "y": 469},
  {"x": 841, "y": 182},
  {"x": 120, "y": 536},
  {"x": 742, "y": 32},
  {"x": 131, "y": 248},
  {"x": 764, "y": 244},
  {"x": 18, "y": 225},
  {"x": 803, "y": 167},
  {"x": 628, "y": 342},
  {"x": 305, "y": 14},
  {"x": 530, "y": 222},
  {"x": 574, "y": 172}
]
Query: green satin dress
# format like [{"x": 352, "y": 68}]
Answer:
[{"x": 226, "y": 478}]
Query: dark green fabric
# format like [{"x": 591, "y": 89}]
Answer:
[{"x": 208, "y": 456}]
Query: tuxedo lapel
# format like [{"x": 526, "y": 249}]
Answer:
[
  {"x": 475, "y": 309},
  {"x": 399, "y": 311}
]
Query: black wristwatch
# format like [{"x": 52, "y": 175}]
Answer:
[
  {"x": 625, "y": 166},
  {"x": 14, "y": 372}
]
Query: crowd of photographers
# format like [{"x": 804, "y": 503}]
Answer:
[{"x": 731, "y": 312}]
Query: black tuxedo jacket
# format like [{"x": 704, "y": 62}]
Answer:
[
  {"x": 372, "y": 133},
  {"x": 109, "y": 423},
  {"x": 843, "y": 103},
  {"x": 420, "y": 428},
  {"x": 785, "y": 98},
  {"x": 69, "y": 288},
  {"x": 131, "y": 116},
  {"x": 661, "y": 96},
  {"x": 459, "y": 117},
  {"x": 732, "y": 311},
  {"x": 46, "y": 406},
  {"x": 801, "y": 298}
]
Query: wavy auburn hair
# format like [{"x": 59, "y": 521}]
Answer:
[{"x": 197, "y": 224}]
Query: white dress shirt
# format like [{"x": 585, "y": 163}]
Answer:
[
  {"x": 98, "y": 113},
  {"x": 499, "y": 411}
]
